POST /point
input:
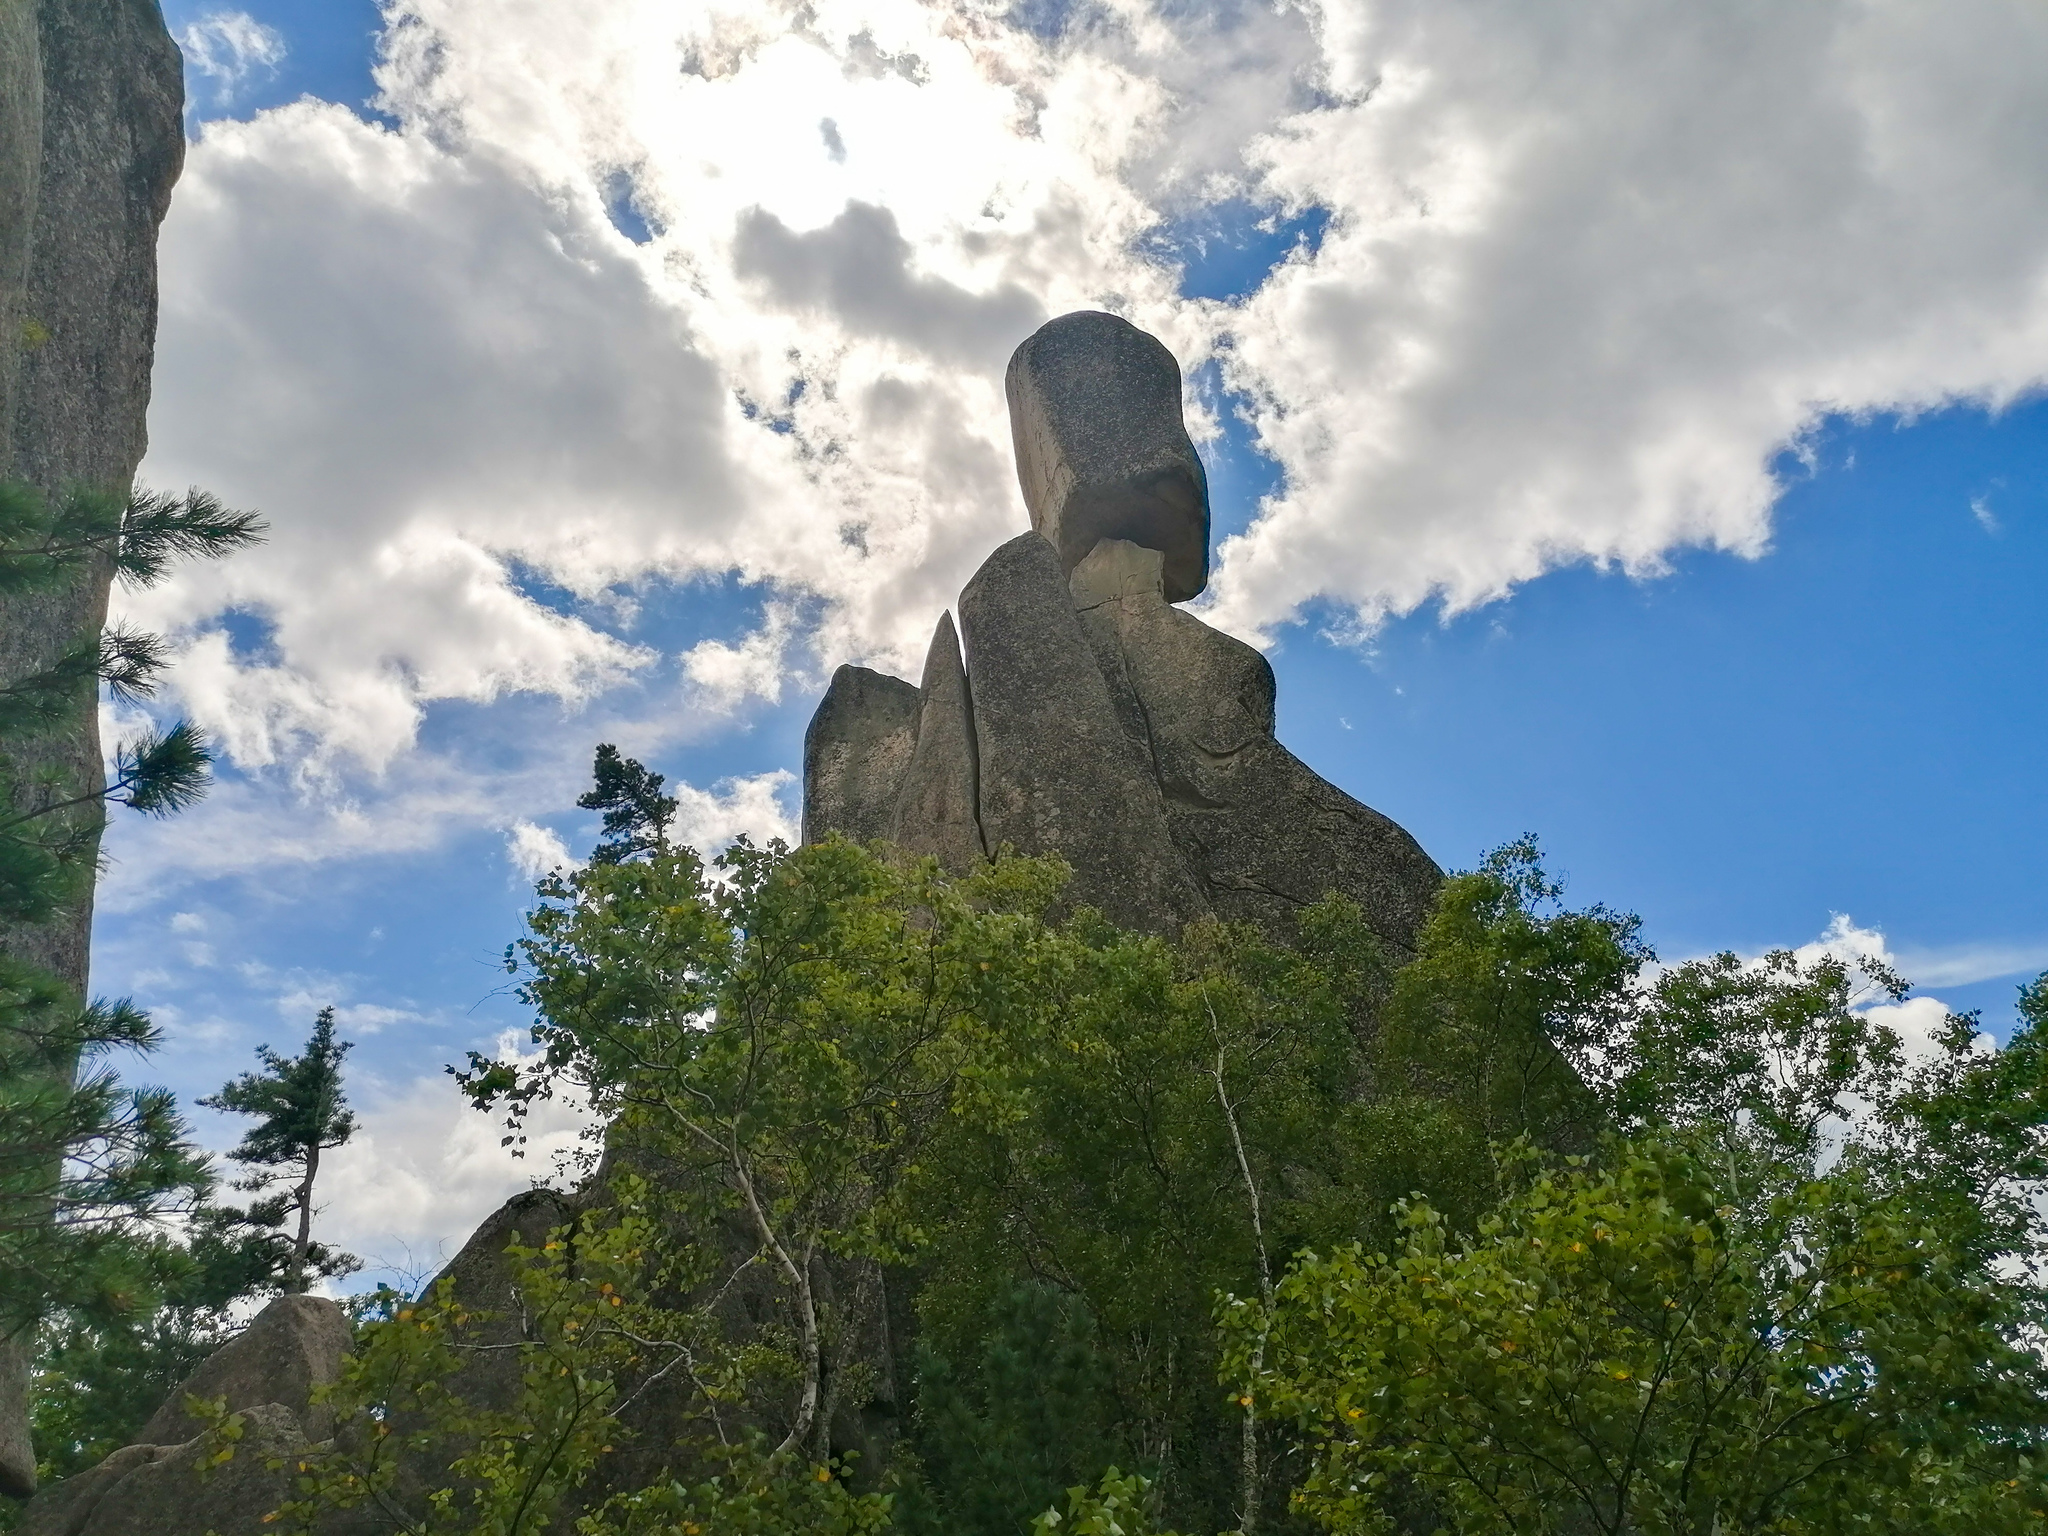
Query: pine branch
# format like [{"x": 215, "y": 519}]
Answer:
[
  {"x": 164, "y": 772},
  {"x": 160, "y": 529},
  {"x": 41, "y": 546},
  {"x": 128, "y": 661}
]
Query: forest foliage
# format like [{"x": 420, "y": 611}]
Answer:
[{"x": 930, "y": 1205}]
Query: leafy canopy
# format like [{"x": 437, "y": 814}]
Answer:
[
  {"x": 1514, "y": 1233},
  {"x": 1794, "y": 1288}
]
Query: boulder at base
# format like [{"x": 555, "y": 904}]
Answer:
[
  {"x": 165, "y": 1490},
  {"x": 295, "y": 1345}
]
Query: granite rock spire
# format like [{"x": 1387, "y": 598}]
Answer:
[{"x": 1093, "y": 718}]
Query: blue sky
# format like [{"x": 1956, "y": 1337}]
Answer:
[{"x": 1800, "y": 679}]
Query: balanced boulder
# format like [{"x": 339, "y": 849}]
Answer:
[
  {"x": 1091, "y": 717},
  {"x": 1102, "y": 450}
]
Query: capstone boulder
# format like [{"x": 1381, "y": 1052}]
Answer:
[{"x": 1102, "y": 450}]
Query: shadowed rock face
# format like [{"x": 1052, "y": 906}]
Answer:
[
  {"x": 1059, "y": 773},
  {"x": 1263, "y": 834},
  {"x": 856, "y": 753},
  {"x": 936, "y": 808},
  {"x": 1102, "y": 452},
  {"x": 1101, "y": 722}
]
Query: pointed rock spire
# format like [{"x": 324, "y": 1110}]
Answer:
[{"x": 935, "y": 809}]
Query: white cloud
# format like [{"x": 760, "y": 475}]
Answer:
[
  {"x": 1918, "y": 1019},
  {"x": 230, "y": 47},
  {"x": 1593, "y": 266},
  {"x": 1953, "y": 966},
  {"x": 424, "y": 1168},
  {"x": 250, "y": 828},
  {"x": 1588, "y": 270},
  {"x": 725, "y": 676},
  {"x": 534, "y": 850},
  {"x": 758, "y": 808},
  {"x": 1847, "y": 940},
  {"x": 1963, "y": 964}
]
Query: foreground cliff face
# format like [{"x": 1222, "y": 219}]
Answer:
[
  {"x": 1088, "y": 716},
  {"x": 91, "y": 140}
]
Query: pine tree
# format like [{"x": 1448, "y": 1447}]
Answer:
[
  {"x": 301, "y": 1112},
  {"x": 636, "y": 812},
  {"x": 84, "y": 1162}
]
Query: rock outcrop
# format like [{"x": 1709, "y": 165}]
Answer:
[
  {"x": 91, "y": 140},
  {"x": 1088, "y": 717},
  {"x": 295, "y": 1345},
  {"x": 1100, "y": 722},
  {"x": 164, "y": 1483}
]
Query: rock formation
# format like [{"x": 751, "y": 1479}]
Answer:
[
  {"x": 1102, "y": 452},
  {"x": 1093, "y": 718},
  {"x": 267, "y": 1374},
  {"x": 91, "y": 139},
  {"x": 294, "y": 1345}
]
